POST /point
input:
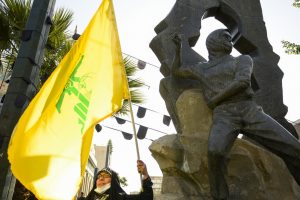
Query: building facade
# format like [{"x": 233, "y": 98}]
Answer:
[
  {"x": 157, "y": 181},
  {"x": 97, "y": 160}
]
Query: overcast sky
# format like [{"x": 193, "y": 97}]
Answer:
[{"x": 136, "y": 20}]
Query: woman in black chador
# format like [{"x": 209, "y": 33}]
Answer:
[{"x": 107, "y": 186}]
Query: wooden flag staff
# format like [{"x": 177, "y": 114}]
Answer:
[{"x": 135, "y": 135}]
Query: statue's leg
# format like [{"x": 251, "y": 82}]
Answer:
[
  {"x": 221, "y": 139},
  {"x": 287, "y": 125},
  {"x": 267, "y": 132}
]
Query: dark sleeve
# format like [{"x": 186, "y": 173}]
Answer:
[
  {"x": 90, "y": 196},
  {"x": 146, "y": 194}
]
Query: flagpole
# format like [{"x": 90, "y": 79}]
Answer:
[
  {"x": 130, "y": 106},
  {"x": 134, "y": 131},
  {"x": 135, "y": 135}
]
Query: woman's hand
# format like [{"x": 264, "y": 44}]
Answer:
[{"x": 142, "y": 169}]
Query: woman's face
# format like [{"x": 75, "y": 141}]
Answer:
[{"x": 103, "y": 179}]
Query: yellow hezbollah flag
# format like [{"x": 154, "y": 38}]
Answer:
[{"x": 50, "y": 145}]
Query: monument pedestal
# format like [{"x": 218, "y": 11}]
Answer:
[{"x": 253, "y": 172}]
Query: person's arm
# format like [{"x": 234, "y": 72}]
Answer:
[
  {"x": 179, "y": 69},
  {"x": 147, "y": 191},
  {"x": 142, "y": 169},
  {"x": 90, "y": 195},
  {"x": 241, "y": 82}
]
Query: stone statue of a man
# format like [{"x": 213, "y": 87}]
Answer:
[{"x": 226, "y": 86}]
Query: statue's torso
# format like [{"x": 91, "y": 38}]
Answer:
[{"x": 216, "y": 77}]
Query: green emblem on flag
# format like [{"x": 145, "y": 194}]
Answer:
[{"x": 74, "y": 86}]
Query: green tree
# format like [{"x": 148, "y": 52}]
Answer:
[
  {"x": 13, "y": 18},
  {"x": 59, "y": 42},
  {"x": 296, "y": 3},
  {"x": 292, "y": 48},
  {"x": 12, "y": 22},
  {"x": 134, "y": 84}
]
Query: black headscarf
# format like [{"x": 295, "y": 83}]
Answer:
[{"x": 115, "y": 191}]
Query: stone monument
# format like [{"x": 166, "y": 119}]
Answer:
[
  {"x": 183, "y": 157},
  {"x": 253, "y": 172},
  {"x": 245, "y": 22}
]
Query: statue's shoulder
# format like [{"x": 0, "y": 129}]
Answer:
[{"x": 244, "y": 59}]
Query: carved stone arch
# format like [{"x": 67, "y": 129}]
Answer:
[{"x": 245, "y": 21}]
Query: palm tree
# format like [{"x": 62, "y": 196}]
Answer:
[
  {"x": 13, "y": 18},
  {"x": 134, "y": 84},
  {"x": 59, "y": 42}
]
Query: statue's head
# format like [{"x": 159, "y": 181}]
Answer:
[{"x": 218, "y": 43}]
